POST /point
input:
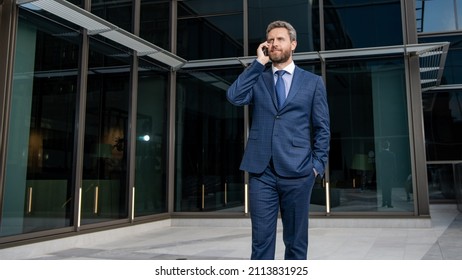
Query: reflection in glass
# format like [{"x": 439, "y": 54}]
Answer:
[
  {"x": 369, "y": 161},
  {"x": 117, "y": 12},
  {"x": 210, "y": 29},
  {"x": 104, "y": 184},
  {"x": 209, "y": 143},
  {"x": 154, "y": 22},
  {"x": 151, "y": 126},
  {"x": 437, "y": 16},
  {"x": 38, "y": 183},
  {"x": 302, "y": 14},
  {"x": 458, "y": 10},
  {"x": 441, "y": 182},
  {"x": 458, "y": 184},
  {"x": 443, "y": 124},
  {"x": 362, "y": 23}
]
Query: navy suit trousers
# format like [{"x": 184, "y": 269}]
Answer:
[{"x": 269, "y": 194}]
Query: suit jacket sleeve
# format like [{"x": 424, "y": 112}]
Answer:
[
  {"x": 241, "y": 91},
  {"x": 321, "y": 128}
]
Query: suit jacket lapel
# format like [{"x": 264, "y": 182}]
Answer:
[{"x": 294, "y": 87}]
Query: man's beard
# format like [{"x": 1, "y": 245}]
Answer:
[{"x": 282, "y": 57}]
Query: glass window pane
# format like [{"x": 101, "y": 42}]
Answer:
[
  {"x": 302, "y": 14},
  {"x": 209, "y": 29},
  {"x": 443, "y": 124},
  {"x": 118, "y": 12},
  {"x": 441, "y": 182},
  {"x": 459, "y": 14},
  {"x": 436, "y": 16},
  {"x": 38, "y": 190},
  {"x": 362, "y": 23},
  {"x": 370, "y": 162},
  {"x": 104, "y": 185},
  {"x": 155, "y": 22},
  {"x": 151, "y": 146},
  {"x": 209, "y": 143},
  {"x": 192, "y": 8}
]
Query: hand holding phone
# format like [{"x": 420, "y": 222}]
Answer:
[{"x": 263, "y": 53}]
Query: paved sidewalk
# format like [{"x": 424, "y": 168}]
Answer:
[{"x": 168, "y": 240}]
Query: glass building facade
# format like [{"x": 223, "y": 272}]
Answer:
[{"x": 115, "y": 112}]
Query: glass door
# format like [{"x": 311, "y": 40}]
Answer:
[
  {"x": 104, "y": 182},
  {"x": 209, "y": 145},
  {"x": 370, "y": 158}
]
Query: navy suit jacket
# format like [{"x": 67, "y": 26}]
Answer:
[{"x": 296, "y": 136}]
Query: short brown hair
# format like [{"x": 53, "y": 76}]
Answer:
[{"x": 284, "y": 24}]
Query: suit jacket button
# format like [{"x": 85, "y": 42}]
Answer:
[{"x": 277, "y": 116}]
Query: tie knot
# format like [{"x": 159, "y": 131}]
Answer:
[{"x": 280, "y": 72}]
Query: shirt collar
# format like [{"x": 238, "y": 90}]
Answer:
[{"x": 289, "y": 68}]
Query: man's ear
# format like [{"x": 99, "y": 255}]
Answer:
[{"x": 293, "y": 45}]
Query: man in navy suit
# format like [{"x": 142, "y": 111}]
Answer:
[{"x": 288, "y": 143}]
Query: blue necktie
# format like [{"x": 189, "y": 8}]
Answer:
[{"x": 280, "y": 88}]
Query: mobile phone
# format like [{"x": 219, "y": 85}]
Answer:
[{"x": 265, "y": 51}]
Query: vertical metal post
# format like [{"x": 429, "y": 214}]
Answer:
[
  {"x": 171, "y": 113},
  {"x": 79, "y": 127},
  {"x": 132, "y": 117},
  {"x": 8, "y": 28}
]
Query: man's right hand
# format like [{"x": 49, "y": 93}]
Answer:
[{"x": 261, "y": 57}]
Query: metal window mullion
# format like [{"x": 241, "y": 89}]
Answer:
[
  {"x": 81, "y": 105},
  {"x": 8, "y": 30},
  {"x": 80, "y": 128},
  {"x": 133, "y": 108},
  {"x": 171, "y": 113}
]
